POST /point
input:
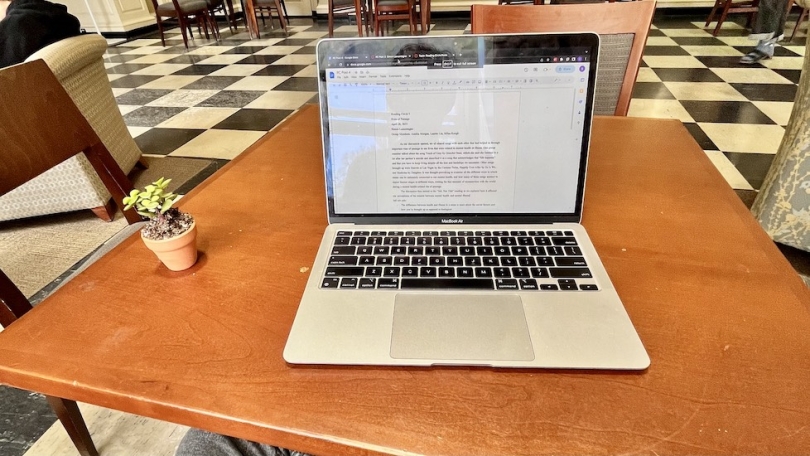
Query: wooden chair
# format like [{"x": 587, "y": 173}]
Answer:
[
  {"x": 729, "y": 6},
  {"x": 183, "y": 11},
  {"x": 270, "y": 6},
  {"x": 802, "y": 18},
  {"x": 227, "y": 11},
  {"x": 394, "y": 10},
  {"x": 623, "y": 28},
  {"x": 347, "y": 8},
  {"x": 44, "y": 129}
]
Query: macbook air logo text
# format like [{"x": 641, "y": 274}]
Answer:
[{"x": 452, "y": 221}]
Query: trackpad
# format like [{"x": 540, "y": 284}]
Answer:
[{"x": 460, "y": 327}]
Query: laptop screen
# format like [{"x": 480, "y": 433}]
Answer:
[{"x": 467, "y": 127}]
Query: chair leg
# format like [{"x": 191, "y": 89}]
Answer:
[
  {"x": 717, "y": 4},
  {"x": 71, "y": 418},
  {"x": 160, "y": 29},
  {"x": 106, "y": 212},
  {"x": 183, "y": 27},
  {"x": 331, "y": 19},
  {"x": 802, "y": 17},
  {"x": 722, "y": 19},
  {"x": 281, "y": 19}
]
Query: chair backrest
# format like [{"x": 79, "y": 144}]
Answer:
[
  {"x": 623, "y": 28},
  {"x": 45, "y": 128}
]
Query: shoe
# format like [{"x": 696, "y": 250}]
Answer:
[{"x": 754, "y": 57}]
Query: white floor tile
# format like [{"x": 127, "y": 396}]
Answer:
[{"x": 226, "y": 144}]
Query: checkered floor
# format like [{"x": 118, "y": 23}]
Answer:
[{"x": 217, "y": 98}]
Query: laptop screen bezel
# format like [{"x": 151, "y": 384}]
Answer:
[{"x": 336, "y": 46}]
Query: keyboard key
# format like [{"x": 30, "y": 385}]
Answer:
[
  {"x": 384, "y": 260},
  {"x": 391, "y": 241},
  {"x": 407, "y": 241},
  {"x": 568, "y": 286},
  {"x": 527, "y": 284},
  {"x": 588, "y": 287},
  {"x": 343, "y": 271},
  {"x": 536, "y": 233},
  {"x": 466, "y": 251},
  {"x": 544, "y": 261},
  {"x": 520, "y": 272},
  {"x": 436, "y": 261},
  {"x": 456, "y": 283},
  {"x": 526, "y": 261},
  {"x": 374, "y": 241},
  {"x": 464, "y": 272},
  {"x": 568, "y": 233},
  {"x": 424, "y": 240},
  {"x": 570, "y": 261},
  {"x": 410, "y": 272},
  {"x": 472, "y": 261},
  {"x": 367, "y": 282},
  {"x": 537, "y": 251},
  {"x": 483, "y": 233},
  {"x": 517, "y": 233},
  {"x": 343, "y": 260},
  {"x": 472, "y": 240},
  {"x": 361, "y": 233},
  {"x": 413, "y": 233},
  {"x": 524, "y": 240},
  {"x": 508, "y": 241},
  {"x": 388, "y": 283},
  {"x": 375, "y": 271},
  {"x": 396, "y": 233},
  {"x": 484, "y": 251},
  {"x": 548, "y": 286},
  {"x": 344, "y": 250},
  {"x": 542, "y": 240},
  {"x": 464, "y": 233},
  {"x": 358, "y": 241},
  {"x": 483, "y": 272},
  {"x": 554, "y": 233},
  {"x": 378, "y": 233},
  {"x": 506, "y": 284},
  {"x": 441, "y": 240},
  {"x": 520, "y": 251},
  {"x": 539, "y": 273},
  {"x": 342, "y": 240},
  {"x": 344, "y": 233},
  {"x": 570, "y": 273},
  {"x": 564, "y": 241},
  {"x": 428, "y": 271},
  {"x": 330, "y": 282},
  {"x": 447, "y": 233},
  {"x": 555, "y": 251},
  {"x": 391, "y": 271},
  {"x": 381, "y": 250},
  {"x": 348, "y": 282},
  {"x": 491, "y": 241},
  {"x": 508, "y": 261},
  {"x": 416, "y": 250},
  {"x": 433, "y": 250},
  {"x": 501, "y": 272},
  {"x": 447, "y": 272},
  {"x": 572, "y": 250},
  {"x": 365, "y": 250},
  {"x": 500, "y": 233},
  {"x": 455, "y": 261},
  {"x": 457, "y": 241},
  {"x": 419, "y": 261},
  {"x": 449, "y": 251},
  {"x": 502, "y": 251},
  {"x": 491, "y": 261},
  {"x": 366, "y": 260},
  {"x": 430, "y": 233},
  {"x": 399, "y": 250}
]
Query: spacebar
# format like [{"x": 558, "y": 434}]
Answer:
[{"x": 469, "y": 284}]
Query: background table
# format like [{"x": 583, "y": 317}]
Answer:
[{"x": 724, "y": 319}]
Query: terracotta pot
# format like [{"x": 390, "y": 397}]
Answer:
[{"x": 177, "y": 253}]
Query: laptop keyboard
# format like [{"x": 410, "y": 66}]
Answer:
[{"x": 472, "y": 260}]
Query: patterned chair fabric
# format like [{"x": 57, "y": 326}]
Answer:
[
  {"x": 783, "y": 203},
  {"x": 73, "y": 185}
]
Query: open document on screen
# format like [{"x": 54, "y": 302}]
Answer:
[{"x": 472, "y": 134}]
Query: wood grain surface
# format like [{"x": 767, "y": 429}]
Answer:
[{"x": 723, "y": 317}]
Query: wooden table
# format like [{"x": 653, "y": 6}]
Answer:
[{"x": 722, "y": 315}]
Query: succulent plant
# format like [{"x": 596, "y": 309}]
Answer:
[{"x": 155, "y": 203}]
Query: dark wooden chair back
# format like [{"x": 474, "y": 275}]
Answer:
[
  {"x": 43, "y": 129},
  {"x": 623, "y": 28}
]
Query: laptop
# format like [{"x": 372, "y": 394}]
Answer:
[{"x": 455, "y": 171}]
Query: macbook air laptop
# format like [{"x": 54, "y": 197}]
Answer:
[{"x": 455, "y": 171}]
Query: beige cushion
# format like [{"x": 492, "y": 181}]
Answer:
[{"x": 186, "y": 6}]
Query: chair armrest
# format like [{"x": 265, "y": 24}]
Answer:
[{"x": 68, "y": 56}]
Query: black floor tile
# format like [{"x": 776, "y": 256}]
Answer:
[
  {"x": 192, "y": 59},
  {"x": 687, "y": 75},
  {"x": 117, "y": 58},
  {"x": 747, "y": 196},
  {"x": 149, "y": 116},
  {"x": 669, "y": 23},
  {"x": 450, "y": 25},
  {"x": 199, "y": 70},
  {"x": 259, "y": 59},
  {"x": 299, "y": 84},
  {"x": 132, "y": 80},
  {"x": 767, "y": 92},
  {"x": 791, "y": 75},
  {"x": 656, "y": 32},
  {"x": 652, "y": 90},
  {"x": 163, "y": 141},
  {"x": 295, "y": 42},
  {"x": 664, "y": 50},
  {"x": 206, "y": 172},
  {"x": 141, "y": 96},
  {"x": 213, "y": 82},
  {"x": 726, "y": 112},
  {"x": 700, "y": 136},
  {"x": 697, "y": 41},
  {"x": 732, "y": 31},
  {"x": 24, "y": 418},
  {"x": 753, "y": 167},
  {"x": 232, "y": 98},
  {"x": 306, "y": 50},
  {"x": 244, "y": 50},
  {"x": 778, "y": 51},
  {"x": 279, "y": 70},
  {"x": 253, "y": 119},
  {"x": 726, "y": 62},
  {"x": 127, "y": 68}
]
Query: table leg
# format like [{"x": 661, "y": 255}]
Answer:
[
  {"x": 358, "y": 10},
  {"x": 250, "y": 19},
  {"x": 424, "y": 10},
  {"x": 231, "y": 14}
]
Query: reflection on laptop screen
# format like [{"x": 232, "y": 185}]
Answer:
[{"x": 456, "y": 125}]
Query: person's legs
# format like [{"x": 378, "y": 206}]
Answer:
[
  {"x": 769, "y": 28},
  {"x": 202, "y": 443}
]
